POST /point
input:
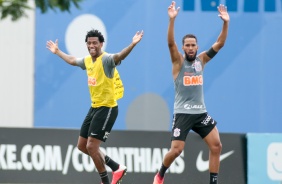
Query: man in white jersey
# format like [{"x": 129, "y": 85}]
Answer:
[{"x": 189, "y": 107}]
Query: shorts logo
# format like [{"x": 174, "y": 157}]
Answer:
[
  {"x": 206, "y": 120},
  {"x": 106, "y": 135},
  {"x": 176, "y": 132}
]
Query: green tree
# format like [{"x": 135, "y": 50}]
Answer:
[{"x": 17, "y": 8}]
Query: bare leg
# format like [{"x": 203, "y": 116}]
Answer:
[
  {"x": 93, "y": 148},
  {"x": 175, "y": 150},
  {"x": 214, "y": 144},
  {"x": 81, "y": 145}
]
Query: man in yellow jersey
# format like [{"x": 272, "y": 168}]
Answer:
[{"x": 101, "y": 72}]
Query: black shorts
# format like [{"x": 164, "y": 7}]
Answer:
[
  {"x": 99, "y": 122},
  {"x": 202, "y": 124}
]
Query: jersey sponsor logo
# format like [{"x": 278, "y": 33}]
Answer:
[
  {"x": 92, "y": 81},
  {"x": 193, "y": 80},
  {"x": 188, "y": 106}
]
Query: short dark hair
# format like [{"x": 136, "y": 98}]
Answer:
[
  {"x": 189, "y": 36},
  {"x": 95, "y": 33}
]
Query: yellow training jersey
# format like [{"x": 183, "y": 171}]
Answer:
[{"x": 104, "y": 91}]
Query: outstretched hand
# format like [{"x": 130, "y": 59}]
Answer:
[
  {"x": 53, "y": 47},
  {"x": 223, "y": 14},
  {"x": 172, "y": 12},
  {"x": 137, "y": 37}
]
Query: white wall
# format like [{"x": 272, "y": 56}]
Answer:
[{"x": 17, "y": 71}]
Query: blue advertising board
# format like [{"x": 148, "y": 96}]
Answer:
[
  {"x": 264, "y": 158},
  {"x": 242, "y": 82}
]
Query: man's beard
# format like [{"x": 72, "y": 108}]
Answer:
[{"x": 190, "y": 58}]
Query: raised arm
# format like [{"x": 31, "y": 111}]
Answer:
[
  {"x": 122, "y": 55},
  {"x": 175, "y": 55},
  {"x": 223, "y": 14},
  {"x": 54, "y": 48}
]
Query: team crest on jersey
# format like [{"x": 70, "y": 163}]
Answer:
[
  {"x": 176, "y": 132},
  {"x": 198, "y": 66}
]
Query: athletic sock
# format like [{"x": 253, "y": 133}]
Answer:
[
  {"x": 162, "y": 170},
  {"x": 112, "y": 164},
  {"x": 104, "y": 177},
  {"x": 213, "y": 178}
]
